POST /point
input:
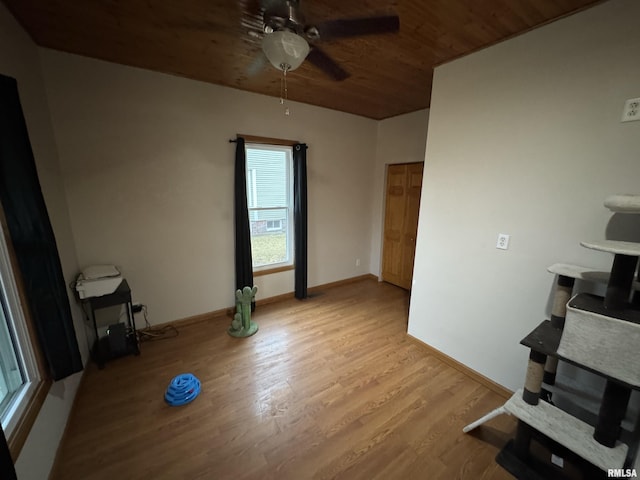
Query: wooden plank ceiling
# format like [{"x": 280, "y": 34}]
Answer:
[{"x": 218, "y": 41}]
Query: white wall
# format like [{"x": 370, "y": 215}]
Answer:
[
  {"x": 149, "y": 175},
  {"x": 19, "y": 58},
  {"x": 525, "y": 139},
  {"x": 400, "y": 139}
]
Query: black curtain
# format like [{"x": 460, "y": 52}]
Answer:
[
  {"x": 300, "y": 217},
  {"x": 33, "y": 239},
  {"x": 244, "y": 266},
  {"x": 6, "y": 464}
]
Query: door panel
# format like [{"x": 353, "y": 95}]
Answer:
[
  {"x": 403, "y": 188},
  {"x": 394, "y": 224},
  {"x": 410, "y": 232}
]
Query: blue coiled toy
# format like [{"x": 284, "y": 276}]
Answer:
[{"x": 184, "y": 388}]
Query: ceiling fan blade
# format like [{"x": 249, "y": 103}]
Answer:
[
  {"x": 354, "y": 27},
  {"x": 252, "y": 7},
  {"x": 325, "y": 63}
]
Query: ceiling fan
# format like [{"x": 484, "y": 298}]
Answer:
[{"x": 287, "y": 36}]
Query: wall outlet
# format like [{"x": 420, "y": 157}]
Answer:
[
  {"x": 357, "y": 262},
  {"x": 503, "y": 241},
  {"x": 631, "y": 110}
]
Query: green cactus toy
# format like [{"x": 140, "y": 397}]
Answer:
[{"x": 241, "y": 325}]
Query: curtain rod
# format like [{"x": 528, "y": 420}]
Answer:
[{"x": 265, "y": 140}]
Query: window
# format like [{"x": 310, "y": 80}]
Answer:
[
  {"x": 274, "y": 225},
  {"x": 11, "y": 376},
  {"x": 20, "y": 381},
  {"x": 270, "y": 204}
]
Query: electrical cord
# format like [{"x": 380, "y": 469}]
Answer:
[{"x": 149, "y": 333}]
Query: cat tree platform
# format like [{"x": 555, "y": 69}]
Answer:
[
  {"x": 623, "y": 203},
  {"x": 631, "y": 249},
  {"x": 568, "y": 431},
  {"x": 587, "y": 274}
]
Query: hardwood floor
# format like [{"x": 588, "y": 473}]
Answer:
[{"x": 330, "y": 387}]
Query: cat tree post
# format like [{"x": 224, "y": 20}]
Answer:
[
  {"x": 242, "y": 325},
  {"x": 564, "y": 289}
]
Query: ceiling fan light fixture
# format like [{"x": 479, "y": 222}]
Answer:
[{"x": 285, "y": 50}]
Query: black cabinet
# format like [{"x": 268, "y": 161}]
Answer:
[{"x": 120, "y": 338}]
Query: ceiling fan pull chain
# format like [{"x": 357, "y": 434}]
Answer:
[
  {"x": 283, "y": 90},
  {"x": 286, "y": 90}
]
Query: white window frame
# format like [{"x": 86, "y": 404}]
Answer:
[
  {"x": 289, "y": 263},
  {"x": 21, "y": 404}
]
